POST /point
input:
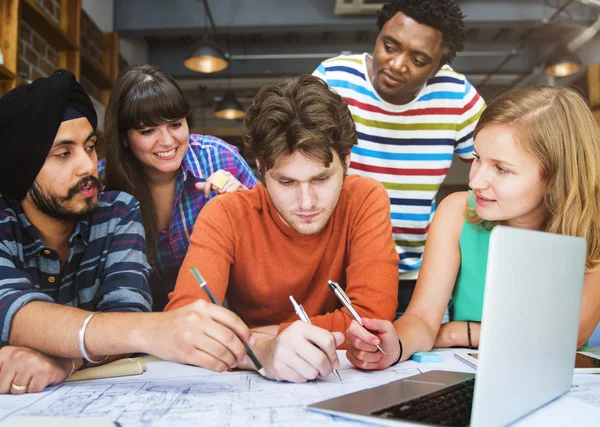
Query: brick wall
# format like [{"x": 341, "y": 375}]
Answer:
[
  {"x": 36, "y": 57},
  {"x": 92, "y": 39},
  {"x": 39, "y": 59},
  {"x": 51, "y": 7},
  {"x": 90, "y": 87},
  {"x": 92, "y": 44}
]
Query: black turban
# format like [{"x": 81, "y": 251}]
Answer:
[{"x": 30, "y": 116}]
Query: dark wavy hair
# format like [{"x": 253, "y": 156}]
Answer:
[
  {"x": 143, "y": 96},
  {"x": 443, "y": 15},
  {"x": 299, "y": 114}
]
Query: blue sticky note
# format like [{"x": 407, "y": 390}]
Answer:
[{"x": 427, "y": 357}]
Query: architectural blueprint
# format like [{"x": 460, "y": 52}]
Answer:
[
  {"x": 170, "y": 394},
  {"x": 173, "y": 395}
]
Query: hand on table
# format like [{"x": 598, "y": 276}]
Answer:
[
  {"x": 362, "y": 351},
  {"x": 201, "y": 334},
  {"x": 301, "y": 353},
  {"x": 23, "y": 370}
]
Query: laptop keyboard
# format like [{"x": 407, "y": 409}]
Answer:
[{"x": 447, "y": 407}]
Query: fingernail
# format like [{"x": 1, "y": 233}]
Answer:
[
  {"x": 375, "y": 342},
  {"x": 245, "y": 360},
  {"x": 252, "y": 340},
  {"x": 336, "y": 364},
  {"x": 234, "y": 365}
]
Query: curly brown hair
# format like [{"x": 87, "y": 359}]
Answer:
[{"x": 299, "y": 114}]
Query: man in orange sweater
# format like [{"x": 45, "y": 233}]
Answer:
[{"x": 306, "y": 224}]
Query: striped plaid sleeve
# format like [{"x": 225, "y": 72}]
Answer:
[
  {"x": 243, "y": 172},
  {"x": 16, "y": 290},
  {"x": 124, "y": 281},
  {"x": 101, "y": 167},
  {"x": 223, "y": 155},
  {"x": 474, "y": 106}
]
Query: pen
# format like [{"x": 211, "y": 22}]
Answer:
[
  {"x": 341, "y": 295},
  {"x": 215, "y": 301},
  {"x": 304, "y": 317}
]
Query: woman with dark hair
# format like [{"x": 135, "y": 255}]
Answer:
[{"x": 151, "y": 155}]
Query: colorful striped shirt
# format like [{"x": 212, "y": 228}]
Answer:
[
  {"x": 206, "y": 154},
  {"x": 106, "y": 269},
  {"x": 408, "y": 148}
]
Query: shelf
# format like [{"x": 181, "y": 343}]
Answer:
[
  {"x": 6, "y": 74},
  {"x": 63, "y": 34},
  {"x": 94, "y": 72},
  {"x": 49, "y": 29}
]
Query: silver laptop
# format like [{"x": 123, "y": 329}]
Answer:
[{"x": 527, "y": 346}]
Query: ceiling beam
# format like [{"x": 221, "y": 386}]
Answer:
[{"x": 187, "y": 17}]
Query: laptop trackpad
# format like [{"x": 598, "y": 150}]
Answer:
[{"x": 367, "y": 401}]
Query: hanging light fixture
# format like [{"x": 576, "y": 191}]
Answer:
[
  {"x": 229, "y": 107},
  {"x": 562, "y": 62},
  {"x": 207, "y": 56}
]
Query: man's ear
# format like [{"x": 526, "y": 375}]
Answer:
[
  {"x": 260, "y": 174},
  {"x": 440, "y": 65},
  {"x": 347, "y": 160}
]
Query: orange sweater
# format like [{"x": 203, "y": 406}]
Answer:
[{"x": 248, "y": 254}]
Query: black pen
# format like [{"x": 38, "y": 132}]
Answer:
[{"x": 215, "y": 301}]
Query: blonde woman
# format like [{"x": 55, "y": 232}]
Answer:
[{"x": 536, "y": 166}]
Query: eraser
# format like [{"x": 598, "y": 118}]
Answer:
[
  {"x": 219, "y": 179},
  {"x": 427, "y": 357}
]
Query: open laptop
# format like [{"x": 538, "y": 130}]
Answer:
[{"x": 527, "y": 345}]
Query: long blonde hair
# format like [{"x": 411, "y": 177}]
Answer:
[{"x": 555, "y": 125}]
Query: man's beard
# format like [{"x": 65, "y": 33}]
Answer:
[{"x": 51, "y": 205}]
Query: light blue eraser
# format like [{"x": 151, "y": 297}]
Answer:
[{"x": 427, "y": 357}]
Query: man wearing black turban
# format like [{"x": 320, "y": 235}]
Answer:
[{"x": 69, "y": 251}]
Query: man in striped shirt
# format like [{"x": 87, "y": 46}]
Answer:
[
  {"x": 69, "y": 251},
  {"x": 412, "y": 113}
]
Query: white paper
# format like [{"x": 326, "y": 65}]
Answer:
[
  {"x": 171, "y": 394},
  {"x": 586, "y": 388}
]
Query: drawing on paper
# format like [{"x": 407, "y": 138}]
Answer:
[{"x": 210, "y": 399}]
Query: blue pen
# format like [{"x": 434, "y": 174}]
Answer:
[{"x": 304, "y": 317}]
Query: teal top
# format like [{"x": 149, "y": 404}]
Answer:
[{"x": 467, "y": 298}]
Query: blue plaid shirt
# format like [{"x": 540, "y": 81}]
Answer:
[
  {"x": 106, "y": 269},
  {"x": 206, "y": 154}
]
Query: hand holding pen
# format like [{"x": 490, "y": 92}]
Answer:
[
  {"x": 341, "y": 295},
  {"x": 215, "y": 301},
  {"x": 304, "y": 317}
]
